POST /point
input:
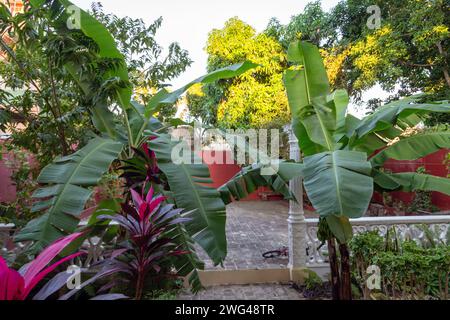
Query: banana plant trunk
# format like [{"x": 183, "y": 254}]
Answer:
[
  {"x": 346, "y": 287},
  {"x": 340, "y": 270},
  {"x": 334, "y": 267}
]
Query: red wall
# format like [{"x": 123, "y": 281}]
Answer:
[
  {"x": 434, "y": 164},
  {"x": 221, "y": 173},
  {"x": 7, "y": 189}
]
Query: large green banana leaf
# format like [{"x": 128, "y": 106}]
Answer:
[
  {"x": 411, "y": 181},
  {"x": 250, "y": 178},
  {"x": 390, "y": 114},
  {"x": 102, "y": 117},
  {"x": 414, "y": 147},
  {"x": 66, "y": 190},
  {"x": 188, "y": 183},
  {"x": 164, "y": 97},
  {"x": 187, "y": 265},
  {"x": 97, "y": 32},
  {"x": 338, "y": 182},
  {"x": 313, "y": 114}
]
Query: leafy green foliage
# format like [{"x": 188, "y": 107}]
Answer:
[
  {"x": 65, "y": 194},
  {"x": 313, "y": 25},
  {"x": 45, "y": 108},
  {"x": 254, "y": 99},
  {"x": 338, "y": 177},
  {"x": 411, "y": 181},
  {"x": 250, "y": 178},
  {"x": 408, "y": 270},
  {"x": 410, "y": 48},
  {"x": 62, "y": 83},
  {"x": 414, "y": 147},
  {"x": 148, "y": 68},
  {"x": 343, "y": 176},
  {"x": 318, "y": 120},
  {"x": 188, "y": 182}
]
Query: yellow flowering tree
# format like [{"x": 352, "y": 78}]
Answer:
[
  {"x": 256, "y": 99},
  {"x": 408, "y": 48}
]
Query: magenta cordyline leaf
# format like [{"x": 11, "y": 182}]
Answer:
[
  {"x": 155, "y": 203},
  {"x": 137, "y": 199},
  {"x": 46, "y": 256},
  {"x": 149, "y": 196},
  {"x": 11, "y": 283},
  {"x": 46, "y": 271},
  {"x": 35, "y": 272},
  {"x": 143, "y": 209},
  {"x": 146, "y": 207},
  {"x": 14, "y": 286},
  {"x": 148, "y": 152}
]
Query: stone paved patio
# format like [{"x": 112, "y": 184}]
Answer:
[
  {"x": 254, "y": 227},
  {"x": 271, "y": 291}
]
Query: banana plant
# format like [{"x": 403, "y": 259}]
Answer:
[
  {"x": 343, "y": 156},
  {"x": 66, "y": 184}
]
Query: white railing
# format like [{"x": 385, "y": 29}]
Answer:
[
  {"x": 93, "y": 246},
  {"x": 406, "y": 227}
]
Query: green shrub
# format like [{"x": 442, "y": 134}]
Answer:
[
  {"x": 312, "y": 280},
  {"x": 408, "y": 270}
]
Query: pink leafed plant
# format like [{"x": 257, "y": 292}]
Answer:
[
  {"x": 151, "y": 227},
  {"x": 17, "y": 286}
]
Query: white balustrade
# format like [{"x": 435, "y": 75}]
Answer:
[{"x": 406, "y": 227}]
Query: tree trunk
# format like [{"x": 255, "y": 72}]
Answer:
[
  {"x": 334, "y": 266},
  {"x": 346, "y": 286},
  {"x": 443, "y": 53}
]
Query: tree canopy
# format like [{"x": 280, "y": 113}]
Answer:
[
  {"x": 405, "y": 54},
  {"x": 42, "y": 107},
  {"x": 253, "y": 99},
  {"x": 409, "y": 48},
  {"x": 149, "y": 68}
]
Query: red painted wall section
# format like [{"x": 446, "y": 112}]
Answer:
[
  {"x": 221, "y": 170},
  {"x": 433, "y": 164},
  {"x": 7, "y": 188}
]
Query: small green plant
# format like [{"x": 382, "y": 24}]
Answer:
[
  {"x": 447, "y": 164},
  {"x": 312, "y": 280},
  {"x": 422, "y": 199},
  {"x": 364, "y": 248},
  {"x": 409, "y": 269},
  {"x": 387, "y": 199}
]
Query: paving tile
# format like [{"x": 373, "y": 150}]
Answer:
[
  {"x": 272, "y": 291},
  {"x": 253, "y": 227}
]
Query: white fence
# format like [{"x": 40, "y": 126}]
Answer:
[{"x": 406, "y": 227}]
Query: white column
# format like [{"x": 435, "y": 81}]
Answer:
[{"x": 296, "y": 219}]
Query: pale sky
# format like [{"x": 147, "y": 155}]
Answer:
[{"x": 189, "y": 22}]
